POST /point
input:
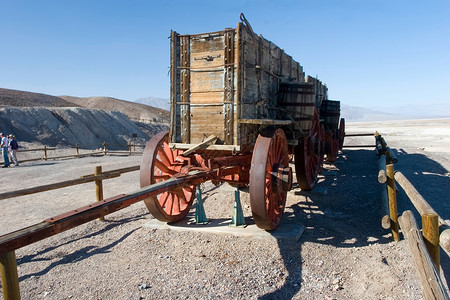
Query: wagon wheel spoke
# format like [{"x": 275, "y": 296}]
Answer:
[
  {"x": 160, "y": 163},
  {"x": 267, "y": 197}
]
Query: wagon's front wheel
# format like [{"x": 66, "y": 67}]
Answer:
[
  {"x": 160, "y": 163},
  {"x": 270, "y": 178}
]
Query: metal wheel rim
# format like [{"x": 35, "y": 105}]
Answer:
[
  {"x": 341, "y": 133},
  {"x": 160, "y": 163},
  {"x": 267, "y": 205}
]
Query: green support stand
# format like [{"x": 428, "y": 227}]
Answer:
[
  {"x": 238, "y": 216},
  {"x": 200, "y": 216}
]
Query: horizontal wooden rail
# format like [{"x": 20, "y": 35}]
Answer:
[
  {"x": 417, "y": 200},
  {"x": 52, "y": 226},
  {"x": 57, "y": 185},
  {"x": 359, "y": 146},
  {"x": 358, "y": 134},
  {"x": 36, "y": 149}
]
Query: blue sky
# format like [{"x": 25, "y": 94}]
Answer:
[{"x": 369, "y": 53}]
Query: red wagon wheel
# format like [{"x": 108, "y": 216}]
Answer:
[
  {"x": 333, "y": 145},
  {"x": 270, "y": 178},
  {"x": 341, "y": 133},
  {"x": 308, "y": 156},
  {"x": 160, "y": 163}
]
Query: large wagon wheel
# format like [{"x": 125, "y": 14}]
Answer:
[
  {"x": 341, "y": 133},
  {"x": 308, "y": 156},
  {"x": 270, "y": 178},
  {"x": 160, "y": 163}
]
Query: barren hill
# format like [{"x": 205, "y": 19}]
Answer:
[
  {"x": 136, "y": 112},
  {"x": 69, "y": 126},
  {"x": 28, "y": 99},
  {"x": 51, "y": 120}
]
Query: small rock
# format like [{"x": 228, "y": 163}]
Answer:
[
  {"x": 143, "y": 286},
  {"x": 336, "y": 287}
]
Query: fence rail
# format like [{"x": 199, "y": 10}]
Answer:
[
  {"x": 425, "y": 247},
  {"x": 25, "y": 236},
  {"x": 131, "y": 149}
]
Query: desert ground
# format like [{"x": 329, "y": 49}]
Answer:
[{"x": 343, "y": 252}]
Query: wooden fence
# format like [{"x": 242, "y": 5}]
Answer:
[
  {"x": 424, "y": 247},
  {"x": 101, "y": 150},
  {"x": 8, "y": 264}
]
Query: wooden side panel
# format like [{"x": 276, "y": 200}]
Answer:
[
  {"x": 206, "y": 86},
  {"x": 221, "y": 77}
]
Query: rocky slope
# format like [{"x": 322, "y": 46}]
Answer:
[
  {"x": 136, "y": 112},
  {"x": 70, "y": 126},
  {"x": 54, "y": 121}
]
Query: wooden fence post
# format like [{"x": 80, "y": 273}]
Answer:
[
  {"x": 76, "y": 147},
  {"x": 99, "y": 187},
  {"x": 129, "y": 148},
  {"x": 10, "y": 278},
  {"x": 392, "y": 201},
  {"x": 430, "y": 232},
  {"x": 45, "y": 152},
  {"x": 104, "y": 148}
]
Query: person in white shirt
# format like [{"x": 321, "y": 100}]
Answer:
[{"x": 4, "y": 143}]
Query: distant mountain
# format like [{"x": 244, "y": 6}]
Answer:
[
  {"x": 406, "y": 112},
  {"x": 28, "y": 99},
  {"x": 155, "y": 102}
]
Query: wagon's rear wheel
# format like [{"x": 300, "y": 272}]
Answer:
[
  {"x": 341, "y": 133},
  {"x": 270, "y": 178},
  {"x": 333, "y": 145},
  {"x": 160, "y": 163},
  {"x": 308, "y": 156}
]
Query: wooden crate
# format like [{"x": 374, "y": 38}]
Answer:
[{"x": 227, "y": 84}]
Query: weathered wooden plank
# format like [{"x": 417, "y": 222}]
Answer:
[
  {"x": 432, "y": 285},
  {"x": 206, "y": 121}
]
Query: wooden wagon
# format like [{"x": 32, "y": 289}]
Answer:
[{"x": 241, "y": 109}]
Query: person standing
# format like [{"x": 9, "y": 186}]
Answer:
[
  {"x": 4, "y": 144},
  {"x": 13, "y": 146}
]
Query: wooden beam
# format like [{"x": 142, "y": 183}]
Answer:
[
  {"x": 432, "y": 286},
  {"x": 49, "y": 227},
  {"x": 56, "y": 185},
  {"x": 382, "y": 169},
  {"x": 202, "y": 145},
  {"x": 417, "y": 200}
]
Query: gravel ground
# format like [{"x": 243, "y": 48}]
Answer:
[{"x": 343, "y": 253}]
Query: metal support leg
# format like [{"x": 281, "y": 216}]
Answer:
[
  {"x": 200, "y": 216},
  {"x": 238, "y": 216}
]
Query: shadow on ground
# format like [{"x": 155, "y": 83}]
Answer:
[
  {"x": 80, "y": 254},
  {"x": 345, "y": 208}
]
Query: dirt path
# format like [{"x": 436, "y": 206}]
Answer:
[{"x": 343, "y": 254}]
